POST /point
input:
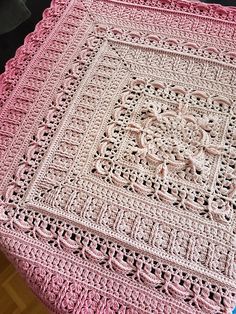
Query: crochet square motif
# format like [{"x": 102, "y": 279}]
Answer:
[
  {"x": 120, "y": 168},
  {"x": 136, "y": 139},
  {"x": 161, "y": 140},
  {"x": 165, "y": 140}
]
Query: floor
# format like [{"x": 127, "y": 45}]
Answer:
[{"x": 15, "y": 296}]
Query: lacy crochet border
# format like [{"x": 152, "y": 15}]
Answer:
[{"x": 77, "y": 297}]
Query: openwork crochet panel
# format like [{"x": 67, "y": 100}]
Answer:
[{"x": 117, "y": 145}]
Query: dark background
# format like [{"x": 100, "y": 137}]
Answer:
[
  {"x": 223, "y": 2},
  {"x": 9, "y": 42}
]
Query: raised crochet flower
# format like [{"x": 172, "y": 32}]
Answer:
[{"x": 173, "y": 140}]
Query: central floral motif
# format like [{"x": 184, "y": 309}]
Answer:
[
  {"x": 165, "y": 143},
  {"x": 172, "y": 140}
]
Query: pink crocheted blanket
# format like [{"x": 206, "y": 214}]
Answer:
[{"x": 117, "y": 146}]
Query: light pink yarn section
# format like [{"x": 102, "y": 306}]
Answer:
[{"x": 117, "y": 148}]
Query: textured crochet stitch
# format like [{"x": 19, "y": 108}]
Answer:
[{"x": 117, "y": 147}]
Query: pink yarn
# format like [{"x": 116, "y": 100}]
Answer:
[{"x": 117, "y": 147}]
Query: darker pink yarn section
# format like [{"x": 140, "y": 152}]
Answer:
[{"x": 117, "y": 148}]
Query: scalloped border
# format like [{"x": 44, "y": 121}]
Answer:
[
  {"x": 15, "y": 66},
  {"x": 24, "y": 54},
  {"x": 54, "y": 10}
]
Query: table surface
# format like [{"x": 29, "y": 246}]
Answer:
[{"x": 15, "y": 296}]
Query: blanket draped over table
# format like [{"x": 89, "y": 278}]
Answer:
[{"x": 117, "y": 147}]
